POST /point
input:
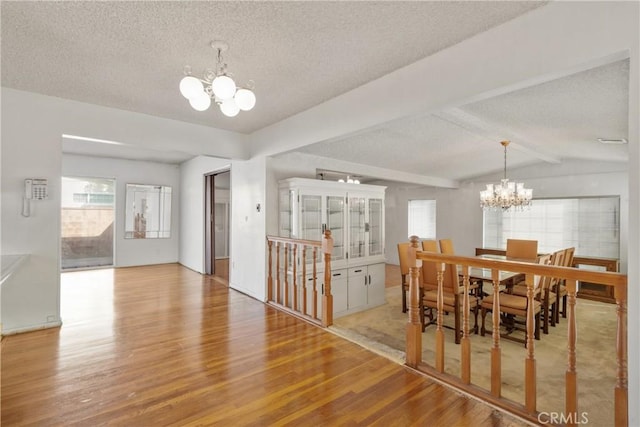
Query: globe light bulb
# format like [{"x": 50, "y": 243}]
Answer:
[
  {"x": 245, "y": 99},
  {"x": 190, "y": 87},
  {"x": 200, "y": 102},
  {"x": 223, "y": 87},
  {"x": 229, "y": 108}
]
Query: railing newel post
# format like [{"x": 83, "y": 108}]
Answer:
[
  {"x": 496, "y": 355},
  {"x": 530, "y": 361},
  {"x": 571, "y": 376},
  {"x": 414, "y": 325},
  {"x": 327, "y": 299},
  {"x": 270, "y": 276},
  {"x": 621, "y": 391},
  {"x": 465, "y": 342}
]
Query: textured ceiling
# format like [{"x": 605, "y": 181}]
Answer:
[
  {"x": 130, "y": 55},
  {"x": 553, "y": 121}
]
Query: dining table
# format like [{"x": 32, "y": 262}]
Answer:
[{"x": 506, "y": 279}]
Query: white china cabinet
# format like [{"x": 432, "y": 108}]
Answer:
[{"x": 355, "y": 215}]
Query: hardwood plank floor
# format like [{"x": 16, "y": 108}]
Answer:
[{"x": 163, "y": 345}]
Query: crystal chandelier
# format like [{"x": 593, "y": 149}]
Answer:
[
  {"x": 506, "y": 194},
  {"x": 218, "y": 86}
]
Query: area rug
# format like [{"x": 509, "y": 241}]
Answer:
[{"x": 382, "y": 329}]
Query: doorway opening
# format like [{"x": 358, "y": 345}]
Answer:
[
  {"x": 217, "y": 225},
  {"x": 87, "y": 220}
]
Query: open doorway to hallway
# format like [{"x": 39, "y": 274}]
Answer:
[
  {"x": 87, "y": 221},
  {"x": 217, "y": 229}
]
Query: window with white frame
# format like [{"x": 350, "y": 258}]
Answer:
[
  {"x": 422, "y": 218},
  {"x": 590, "y": 224}
]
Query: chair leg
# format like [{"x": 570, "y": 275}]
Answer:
[
  {"x": 457, "y": 326},
  {"x": 545, "y": 319},
  {"x": 553, "y": 314},
  {"x": 536, "y": 333},
  {"x": 475, "y": 320},
  {"x": 404, "y": 294},
  {"x": 564, "y": 307},
  {"x": 484, "y": 314}
]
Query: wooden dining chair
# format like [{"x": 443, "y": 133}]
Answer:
[
  {"x": 522, "y": 249},
  {"x": 513, "y": 307},
  {"x": 560, "y": 287},
  {"x": 429, "y": 280},
  {"x": 429, "y": 274},
  {"x": 403, "y": 257},
  {"x": 452, "y": 295},
  {"x": 475, "y": 287},
  {"x": 545, "y": 294}
]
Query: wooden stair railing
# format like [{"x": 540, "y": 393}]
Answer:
[
  {"x": 529, "y": 410},
  {"x": 287, "y": 280}
]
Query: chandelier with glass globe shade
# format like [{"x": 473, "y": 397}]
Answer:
[
  {"x": 505, "y": 195},
  {"x": 217, "y": 86}
]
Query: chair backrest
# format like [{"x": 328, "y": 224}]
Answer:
[
  {"x": 557, "y": 259},
  {"x": 429, "y": 270},
  {"x": 451, "y": 282},
  {"x": 446, "y": 246},
  {"x": 544, "y": 282},
  {"x": 522, "y": 249},
  {"x": 568, "y": 257},
  {"x": 403, "y": 257}
]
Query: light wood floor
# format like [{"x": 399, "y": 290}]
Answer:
[{"x": 162, "y": 345}]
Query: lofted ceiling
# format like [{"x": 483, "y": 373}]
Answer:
[
  {"x": 130, "y": 56},
  {"x": 550, "y": 122}
]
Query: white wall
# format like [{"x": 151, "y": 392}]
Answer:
[
  {"x": 32, "y": 126},
  {"x": 31, "y": 298},
  {"x": 459, "y": 215},
  {"x": 130, "y": 252},
  {"x": 192, "y": 231},
  {"x": 248, "y": 244}
]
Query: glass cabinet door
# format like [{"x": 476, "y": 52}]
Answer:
[
  {"x": 335, "y": 223},
  {"x": 357, "y": 227},
  {"x": 286, "y": 213},
  {"x": 310, "y": 217},
  {"x": 376, "y": 209}
]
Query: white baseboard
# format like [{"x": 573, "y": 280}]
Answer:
[{"x": 31, "y": 328}]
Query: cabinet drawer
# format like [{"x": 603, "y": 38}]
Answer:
[{"x": 357, "y": 271}]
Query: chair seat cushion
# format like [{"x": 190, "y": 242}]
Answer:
[
  {"x": 511, "y": 304},
  {"x": 521, "y": 290},
  {"x": 430, "y": 299}
]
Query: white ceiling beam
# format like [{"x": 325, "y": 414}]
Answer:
[
  {"x": 575, "y": 35},
  {"x": 496, "y": 133}
]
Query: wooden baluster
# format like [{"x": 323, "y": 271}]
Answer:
[
  {"x": 465, "y": 343},
  {"x": 327, "y": 299},
  {"x": 278, "y": 283},
  {"x": 439, "y": 332},
  {"x": 295, "y": 277},
  {"x": 270, "y": 276},
  {"x": 571, "y": 376},
  {"x": 414, "y": 325},
  {"x": 621, "y": 396},
  {"x": 315, "y": 283},
  {"x": 530, "y": 361},
  {"x": 496, "y": 368},
  {"x": 304, "y": 279},
  {"x": 286, "y": 275}
]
